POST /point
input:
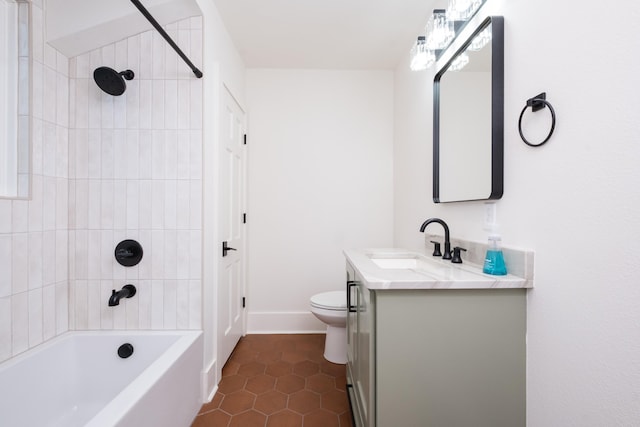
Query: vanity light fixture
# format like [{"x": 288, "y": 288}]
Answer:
[
  {"x": 462, "y": 10},
  {"x": 459, "y": 63},
  {"x": 439, "y": 30},
  {"x": 421, "y": 57}
]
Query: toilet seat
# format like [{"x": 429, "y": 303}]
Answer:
[{"x": 334, "y": 300}]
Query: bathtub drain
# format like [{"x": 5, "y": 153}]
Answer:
[{"x": 125, "y": 350}]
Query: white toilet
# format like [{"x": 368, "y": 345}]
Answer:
[{"x": 331, "y": 308}]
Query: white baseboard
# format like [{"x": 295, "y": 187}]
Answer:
[
  {"x": 281, "y": 322},
  {"x": 209, "y": 398},
  {"x": 209, "y": 383}
]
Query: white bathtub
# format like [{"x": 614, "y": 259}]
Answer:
[{"x": 78, "y": 379}]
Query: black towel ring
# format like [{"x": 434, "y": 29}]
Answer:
[{"x": 536, "y": 103}]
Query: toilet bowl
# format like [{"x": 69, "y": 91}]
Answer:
[{"x": 331, "y": 308}]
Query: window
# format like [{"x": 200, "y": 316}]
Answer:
[{"x": 14, "y": 98}]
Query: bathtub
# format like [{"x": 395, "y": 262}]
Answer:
[{"x": 78, "y": 379}]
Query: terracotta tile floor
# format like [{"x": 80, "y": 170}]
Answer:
[{"x": 279, "y": 381}]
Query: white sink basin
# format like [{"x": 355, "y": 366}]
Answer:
[
  {"x": 395, "y": 263},
  {"x": 436, "y": 269},
  {"x": 401, "y": 261}
]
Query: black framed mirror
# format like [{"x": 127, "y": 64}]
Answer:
[{"x": 468, "y": 118}]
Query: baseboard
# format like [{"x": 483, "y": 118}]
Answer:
[
  {"x": 279, "y": 322},
  {"x": 209, "y": 383},
  {"x": 213, "y": 393}
]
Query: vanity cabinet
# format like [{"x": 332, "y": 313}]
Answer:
[
  {"x": 360, "y": 354},
  {"x": 435, "y": 357}
]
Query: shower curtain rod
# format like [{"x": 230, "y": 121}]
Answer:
[{"x": 166, "y": 36}]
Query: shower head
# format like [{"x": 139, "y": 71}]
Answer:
[{"x": 111, "y": 81}]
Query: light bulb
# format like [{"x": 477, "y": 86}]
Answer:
[
  {"x": 462, "y": 10},
  {"x": 439, "y": 30},
  {"x": 421, "y": 57}
]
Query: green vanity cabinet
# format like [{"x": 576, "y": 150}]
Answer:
[
  {"x": 436, "y": 357},
  {"x": 360, "y": 351}
]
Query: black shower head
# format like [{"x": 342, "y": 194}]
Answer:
[{"x": 111, "y": 81}]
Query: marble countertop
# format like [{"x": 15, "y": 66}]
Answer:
[{"x": 423, "y": 272}]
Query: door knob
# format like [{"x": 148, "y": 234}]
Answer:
[{"x": 226, "y": 248}]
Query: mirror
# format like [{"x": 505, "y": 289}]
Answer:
[{"x": 468, "y": 118}]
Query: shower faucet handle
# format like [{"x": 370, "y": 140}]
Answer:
[{"x": 124, "y": 253}]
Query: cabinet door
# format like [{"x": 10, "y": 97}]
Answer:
[
  {"x": 364, "y": 362},
  {"x": 451, "y": 358},
  {"x": 352, "y": 347},
  {"x": 352, "y": 327}
]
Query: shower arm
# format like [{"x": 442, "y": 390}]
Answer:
[{"x": 166, "y": 36}]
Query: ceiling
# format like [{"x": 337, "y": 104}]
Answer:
[
  {"x": 78, "y": 26},
  {"x": 335, "y": 34}
]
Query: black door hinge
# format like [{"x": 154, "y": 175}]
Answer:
[
  {"x": 244, "y": 218},
  {"x": 245, "y": 139},
  {"x": 243, "y": 302}
]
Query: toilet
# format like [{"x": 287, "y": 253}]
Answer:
[{"x": 331, "y": 308}]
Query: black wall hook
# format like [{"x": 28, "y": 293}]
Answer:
[{"x": 537, "y": 103}]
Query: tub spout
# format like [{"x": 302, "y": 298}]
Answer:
[{"x": 127, "y": 291}]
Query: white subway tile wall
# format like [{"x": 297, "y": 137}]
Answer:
[
  {"x": 34, "y": 281},
  {"x": 105, "y": 169},
  {"x": 135, "y": 172}
]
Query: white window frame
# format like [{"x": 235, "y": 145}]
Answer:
[{"x": 8, "y": 98}]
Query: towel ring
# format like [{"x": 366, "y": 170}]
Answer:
[{"x": 536, "y": 103}]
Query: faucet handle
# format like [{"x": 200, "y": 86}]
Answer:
[
  {"x": 456, "y": 255},
  {"x": 436, "y": 248}
]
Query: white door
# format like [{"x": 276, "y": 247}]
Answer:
[{"x": 232, "y": 194}]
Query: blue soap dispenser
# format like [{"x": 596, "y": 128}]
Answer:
[{"x": 494, "y": 260}]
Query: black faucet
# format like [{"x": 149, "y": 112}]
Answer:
[
  {"x": 127, "y": 291},
  {"x": 447, "y": 242}
]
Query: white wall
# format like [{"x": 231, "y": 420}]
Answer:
[
  {"x": 34, "y": 281},
  {"x": 320, "y": 180},
  {"x": 574, "y": 201}
]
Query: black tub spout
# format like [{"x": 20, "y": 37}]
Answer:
[{"x": 127, "y": 291}]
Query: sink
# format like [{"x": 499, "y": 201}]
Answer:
[
  {"x": 395, "y": 263},
  {"x": 435, "y": 269}
]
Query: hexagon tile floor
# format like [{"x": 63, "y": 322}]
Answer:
[{"x": 279, "y": 381}]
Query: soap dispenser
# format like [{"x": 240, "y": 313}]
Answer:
[{"x": 494, "y": 260}]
